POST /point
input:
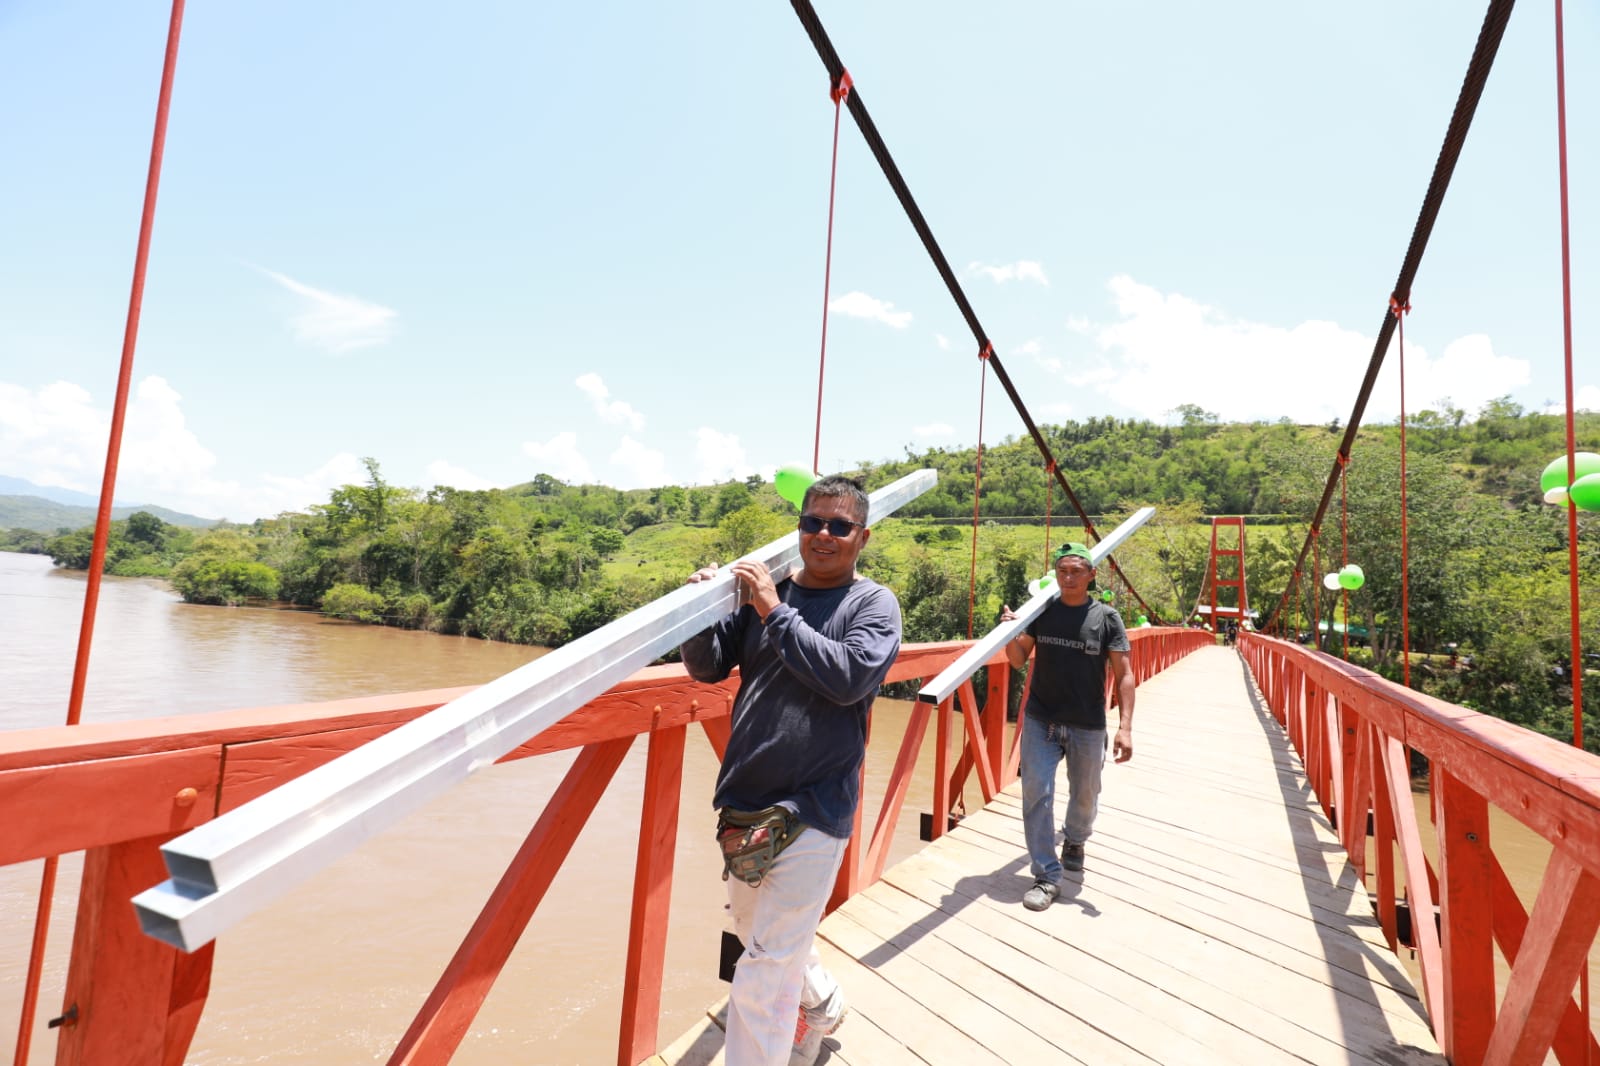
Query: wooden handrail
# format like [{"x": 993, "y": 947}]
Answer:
[
  {"x": 118, "y": 790},
  {"x": 1353, "y": 730}
]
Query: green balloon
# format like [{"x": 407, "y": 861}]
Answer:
[
  {"x": 1352, "y": 577},
  {"x": 792, "y": 482},
  {"x": 1585, "y": 492},
  {"x": 1555, "y": 472},
  {"x": 1106, "y": 596}
]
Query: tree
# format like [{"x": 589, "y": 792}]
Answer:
[
  {"x": 145, "y": 528},
  {"x": 607, "y": 541},
  {"x": 638, "y": 516},
  {"x": 354, "y": 602},
  {"x": 748, "y": 528},
  {"x": 730, "y": 498}
]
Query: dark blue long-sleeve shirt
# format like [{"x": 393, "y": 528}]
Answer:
[{"x": 807, "y": 680}]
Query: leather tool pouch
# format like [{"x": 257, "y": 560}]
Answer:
[{"x": 751, "y": 841}]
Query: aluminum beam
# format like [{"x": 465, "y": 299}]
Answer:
[
  {"x": 955, "y": 675},
  {"x": 232, "y": 866}
]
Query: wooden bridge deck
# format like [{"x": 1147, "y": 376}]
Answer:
[{"x": 1216, "y": 921}]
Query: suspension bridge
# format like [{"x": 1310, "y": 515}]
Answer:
[{"x": 1261, "y": 887}]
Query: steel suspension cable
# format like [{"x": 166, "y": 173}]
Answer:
[
  {"x": 102, "y": 521},
  {"x": 977, "y": 489},
  {"x": 839, "y": 90},
  {"x": 1400, "y": 311},
  {"x": 880, "y": 152},
  {"x": 1483, "y": 53}
]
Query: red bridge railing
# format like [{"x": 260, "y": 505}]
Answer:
[
  {"x": 1355, "y": 732},
  {"x": 118, "y": 790}
]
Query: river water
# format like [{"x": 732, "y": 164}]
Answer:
[{"x": 335, "y": 971}]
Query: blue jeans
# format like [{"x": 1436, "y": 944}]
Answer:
[{"x": 1044, "y": 745}]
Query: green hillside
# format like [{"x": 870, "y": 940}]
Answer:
[
  {"x": 546, "y": 562},
  {"x": 47, "y": 516}
]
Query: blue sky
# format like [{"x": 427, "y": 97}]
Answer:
[{"x": 490, "y": 240}]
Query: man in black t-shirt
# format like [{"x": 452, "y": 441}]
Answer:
[{"x": 1077, "y": 639}]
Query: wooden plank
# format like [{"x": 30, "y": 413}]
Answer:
[
  {"x": 652, "y": 894},
  {"x": 1274, "y": 933},
  {"x": 59, "y": 808},
  {"x": 1193, "y": 1008},
  {"x": 1028, "y": 1020},
  {"x": 899, "y": 1026},
  {"x": 1297, "y": 987},
  {"x": 1063, "y": 990},
  {"x": 968, "y": 999},
  {"x": 137, "y": 1000}
]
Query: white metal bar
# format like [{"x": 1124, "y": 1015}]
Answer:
[
  {"x": 228, "y": 868},
  {"x": 953, "y": 676}
]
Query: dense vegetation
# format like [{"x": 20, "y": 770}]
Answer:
[{"x": 547, "y": 562}]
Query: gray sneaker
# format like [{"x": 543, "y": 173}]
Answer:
[
  {"x": 1072, "y": 857},
  {"x": 1040, "y": 896}
]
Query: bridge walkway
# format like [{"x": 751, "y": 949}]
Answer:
[{"x": 1216, "y": 921}]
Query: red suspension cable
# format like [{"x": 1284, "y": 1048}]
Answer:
[
  {"x": 102, "y": 522},
  {"x": 1566, "y": 335},
  {"x": 977, "y": 488},
  {"x": 1576, "y": 673},
  {"x": 1049, "y": 494},
  {"x": 1344, "y": 551},
  {"x": 1316, "y": 588},
  {"x": 840, "y": 90},
  {"x": 1400, "y": 311}
]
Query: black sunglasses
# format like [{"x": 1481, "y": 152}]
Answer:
[{"x": 838, "y": 527}]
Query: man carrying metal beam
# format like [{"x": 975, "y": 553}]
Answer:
[
  {"x": 1078, "y": 639},
  {"x": 812, "y": 652}
]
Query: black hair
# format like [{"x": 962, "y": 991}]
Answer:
[{"x": 841, "y": 487}]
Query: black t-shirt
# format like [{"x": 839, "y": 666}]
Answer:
[{"x": 1072, "y": 646}]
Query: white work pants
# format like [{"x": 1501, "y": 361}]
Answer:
[{"x": 780, "y": 969}]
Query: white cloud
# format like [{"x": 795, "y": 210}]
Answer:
[
  {"x": 336, "y": 323},
  {"x": 933, "y": 431},
  {"x": 645, "y": 467},
  {"x": 1168, "y": 349},
  {"x": 1021, "y": 270},
  {"x": 860, "y": 305},
  {"x": 52, "y": 437},
  {"x": 286, "y": 493},
  {"x": 718, "y": 457},
  {"x": 57, "y": 436},
  {"x": 1584, "y": 398},
  {"x": 1031, "y": 347},
  {"x": 614, "y": 411},
  {"x": 559, "y": 457},
  {"x": 942, "y": 341},
  {"x": 440, "y": 472},
  {"x": 1468, "y": 372}
]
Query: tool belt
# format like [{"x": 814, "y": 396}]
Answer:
[{"x": 751, "y": 841}]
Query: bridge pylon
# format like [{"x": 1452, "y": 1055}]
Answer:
[{"x": 1225, "y": 571}]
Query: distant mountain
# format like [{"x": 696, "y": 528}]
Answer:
[
  {"x": 16, "y": 486},
  {"x": 24, "y": 505}
]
